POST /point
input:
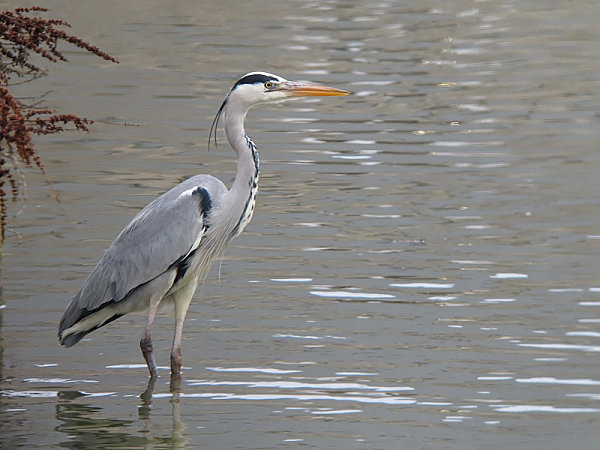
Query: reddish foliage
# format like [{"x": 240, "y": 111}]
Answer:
[{"x": 22, "y": 35}]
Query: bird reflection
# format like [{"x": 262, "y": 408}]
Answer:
[
  {"x": 86, "y": 426},
  {"x": 146, "y": 399},
  {"x": 85, "y": 422},
  {"x": 178, "y": 435},
  {"x": 178, "y": 438}
]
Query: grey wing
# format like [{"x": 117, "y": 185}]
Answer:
[{"x": 161, "y": 235}]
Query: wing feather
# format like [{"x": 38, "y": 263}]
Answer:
[{"x": 164, "y": 232}]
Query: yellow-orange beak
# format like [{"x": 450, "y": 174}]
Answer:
[{"x": 306, "y": 89}]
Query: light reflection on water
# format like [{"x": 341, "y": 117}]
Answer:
[{"x": 422, "y": 266}]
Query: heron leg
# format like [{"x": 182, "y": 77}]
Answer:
[
  {"x": 181, "y": 300},
  {"x": 152, "y": 293},
  {"x": 146, "y": 341}
]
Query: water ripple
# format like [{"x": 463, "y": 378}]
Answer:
[
  {"x": 424, "y": 285},
  {"x": 252, "y": 369},
  {"x": 550, "y": 380},
  {"x": 353, "y": 295},
  {"x": 304, "y": 397},
  {"x": 543, "y": 408},
  {"x": 585, "y": 348},
  {"x": 300, "y": 385}
]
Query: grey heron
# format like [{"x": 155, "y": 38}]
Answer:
[{"x": 168, "y": 247}]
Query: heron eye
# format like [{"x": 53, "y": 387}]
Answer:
[{"x": 269, "y": 85}]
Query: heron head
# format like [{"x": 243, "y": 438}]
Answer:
[{"x": 263, "y": 87}]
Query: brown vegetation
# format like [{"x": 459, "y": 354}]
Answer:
[{"x": 23, "y": 35}]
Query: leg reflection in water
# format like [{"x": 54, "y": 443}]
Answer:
[{"x": 178, "y": 438}]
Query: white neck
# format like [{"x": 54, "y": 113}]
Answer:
[
  {"x": 242, "y": 192},
  {"x": 247, "y": 166}
]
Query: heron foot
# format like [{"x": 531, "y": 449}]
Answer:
[
  {"x": 176, "y": 361},
  {"x": 175, "y": 384},
  {"x": 147, "y": 352}
]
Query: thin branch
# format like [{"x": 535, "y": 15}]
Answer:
[{"x": 23, "y": 34}]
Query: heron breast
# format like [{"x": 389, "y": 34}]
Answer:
[{"x": 249, "y": 207}]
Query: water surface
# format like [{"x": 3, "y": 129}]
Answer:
[{"x": 421, "y": 270}]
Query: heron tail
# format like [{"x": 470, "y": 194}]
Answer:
[
  {"x": 76, "y": 322},
  {"x": 71, "y": 339}
]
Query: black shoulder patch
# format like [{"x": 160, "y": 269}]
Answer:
[
  {"x": 204, "y": 200},
  {"x": 204, "y": 205},
  {"x": 254, "y": 78}
]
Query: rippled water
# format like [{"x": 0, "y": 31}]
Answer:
[{"x": 422, "y": 268}]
